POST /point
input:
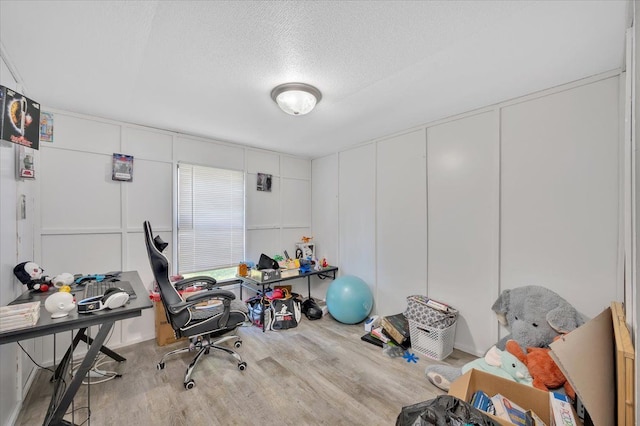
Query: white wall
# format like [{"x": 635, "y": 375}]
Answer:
[
  {"x": 91, "y": 224},
  {"x": 401, "y": 180},
  {"x": 464, "y": 184},
  {"x": 357, "y": 213},
  {"x": 559, "y": 199},
  {"x": 324, "y": 193},
  {"x": 16, "y": 242},
  {"x": 8, "y": 255},
  {"x": 524, "y": 192}
]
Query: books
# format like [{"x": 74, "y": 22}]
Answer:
[
  {"x": 536, "y": 421},
  {"x": 482, "y": 401},
  {"x": 397, "y": 327},
  {"x": 286, "y": 273},
  {"x": 508, "y": 410},
  {"x": 437, "y": 305},
  {"x": 19, "y": 316},
  {"x": 378, "y": 334},
  {"x": 561, "y": 412},
  {"x": 367, "y": 337}
]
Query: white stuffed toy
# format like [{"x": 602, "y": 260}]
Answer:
[{"x": 64, "y": 278}]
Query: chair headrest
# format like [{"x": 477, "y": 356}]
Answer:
[{"x": 159, "y": 243}]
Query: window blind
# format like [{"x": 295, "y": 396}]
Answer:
[{"x": 210, "y": 218}]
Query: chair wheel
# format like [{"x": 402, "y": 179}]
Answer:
[
  {"x": 160, "y": 366},
  {"x": 237, "y": 344},
  {"x": 189, "y": 385},
  {"x": 242, "y": 366}
]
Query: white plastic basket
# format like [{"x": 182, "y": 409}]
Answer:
[{"x": 432, "y": 342}]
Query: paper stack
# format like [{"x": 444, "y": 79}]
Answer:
[{"x": 19, "y": 316}]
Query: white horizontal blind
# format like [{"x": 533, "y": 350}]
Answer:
[{"x": 210, "y": 218}]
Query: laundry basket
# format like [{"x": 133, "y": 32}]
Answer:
[{"x": 432, "y": 330}]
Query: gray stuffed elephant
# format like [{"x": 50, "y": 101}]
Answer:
[{"x": 534, "y": 316}]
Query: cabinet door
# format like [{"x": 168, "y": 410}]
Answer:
[
  {"x": 560, "y": 194},
  {"x": 357, "y": 213},
  {"x": 401, "y": 206},
  {"x": 463, "y": 187}
]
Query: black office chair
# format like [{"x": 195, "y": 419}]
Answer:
[{"x": 201, "y": 326}]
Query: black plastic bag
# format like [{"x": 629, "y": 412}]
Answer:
[{"x": 444, "y": 410}]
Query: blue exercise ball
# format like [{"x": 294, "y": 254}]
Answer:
[{"x": 349, "y": 299}]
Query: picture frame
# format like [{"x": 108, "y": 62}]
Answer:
[
  {"x": 122, "y": 167},
  {"x": 305, "y": 250},
  {"x": 25, "y": 166},
  {"x": 264, "y": 182},
  {"x": 46, "y": 127}
]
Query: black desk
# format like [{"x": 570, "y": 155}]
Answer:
[
  {"x": 74, "y": 321},
  {"x": 248, "y": 282}
]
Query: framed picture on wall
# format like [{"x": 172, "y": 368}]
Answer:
[
  {"x": 122, "y": 167},
  {"x": 25, "y": 166},
  {"x": 264, "y": 182},
  {"x": 305, "y": 250}
]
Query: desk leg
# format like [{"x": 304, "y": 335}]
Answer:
[
  {"x": 81, "y": 335},
  {"x": 309, "y": 285},
  {"x": 56, "y": 418},
  {"x": 105, "y": 350},
  {"x": 262, "y": 310},
  {"x": 68, "y": 354}
]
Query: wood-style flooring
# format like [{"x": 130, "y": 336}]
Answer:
[{"x": 318, "y": 373}]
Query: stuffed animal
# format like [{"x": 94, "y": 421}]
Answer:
[
  {"x": 543, "y": 369},
  {"x": 503, "y": 364},
  {"x": 62, "y": 279},
  {"x": 30, "y": 274},
  {"x": 533, "y": 315}
]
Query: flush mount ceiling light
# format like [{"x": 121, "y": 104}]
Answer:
[{"x": 296, "y": 98}]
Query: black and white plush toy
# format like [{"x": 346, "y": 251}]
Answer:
[{"x": 30, "y": 274}]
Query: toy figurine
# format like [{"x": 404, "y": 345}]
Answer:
[{"x": 30, "y": 274}]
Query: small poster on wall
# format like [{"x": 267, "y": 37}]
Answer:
[
  {"x": 122, "y": 168},
  {"x": 24, "y": 163},
  {"x": 46, "y": 127},
  {"x": 264, "y": 182},
  {"x": 305, "y": 251},
  {"x": 20, "y": 118}
]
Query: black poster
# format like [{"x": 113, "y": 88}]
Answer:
[{"x": 20, "y": 119}]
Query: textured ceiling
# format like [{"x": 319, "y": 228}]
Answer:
[{"x": 207, "y": 68}]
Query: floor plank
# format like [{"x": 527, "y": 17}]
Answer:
[{"x": 318, "y": 373}]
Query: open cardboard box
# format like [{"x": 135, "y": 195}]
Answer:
[
  {"x": 598, "y": 360},
  {"x": 525, "y": 396}
]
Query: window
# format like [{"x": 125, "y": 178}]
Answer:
[{"x": 210, "y": 218}]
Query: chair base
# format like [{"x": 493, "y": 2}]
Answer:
[{"x": 204, "y": 346}]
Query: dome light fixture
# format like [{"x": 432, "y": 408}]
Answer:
[{"x": 296, "y": 98}]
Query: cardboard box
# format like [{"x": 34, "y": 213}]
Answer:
[
  {"x": 606, "y": 371},
  {"x": 164, "y": 331},
  {"x": 527, "y": 397},
  {"x": 604, "y": 380},
  {"x": 265, "y": 274}
]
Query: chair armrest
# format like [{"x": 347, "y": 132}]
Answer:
[
  {"x": 200, "y": 297},
  {"x": 199, "y": 281}
]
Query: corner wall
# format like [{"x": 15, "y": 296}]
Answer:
[{"x": 523, "y": 192}]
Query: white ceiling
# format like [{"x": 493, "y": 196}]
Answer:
[{"x": 207, "y": 68}]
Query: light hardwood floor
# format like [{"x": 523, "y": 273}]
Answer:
[{"x": 318, "y": 373}]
